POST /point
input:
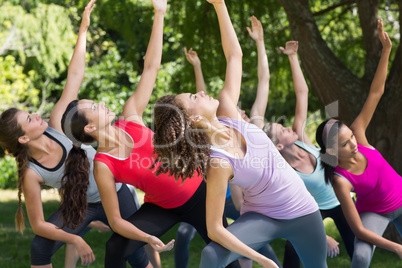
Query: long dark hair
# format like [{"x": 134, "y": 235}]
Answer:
[
  {"x": 179, "y": 148},
  {"x": 328, "y": 161},
  {"x": 74, "y": 184},
  {"x": 10, "y": 131}
]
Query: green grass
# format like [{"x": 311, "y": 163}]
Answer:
[{"x": 15, "y": 248}]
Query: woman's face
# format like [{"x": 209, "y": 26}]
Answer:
[
  {"x": 345, "y": 143},
  {"x": 32, "y": 124},
  {"x": 96, "y": 113},
  {"x": 199, "y": 104},
  {"x": 285, "y": 135}
]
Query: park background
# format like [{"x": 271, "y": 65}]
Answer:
[{"x": 338, "y": 50}]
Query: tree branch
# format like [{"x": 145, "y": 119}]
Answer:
[
  {"x": 368, "y": 15},
  {"x": 331, "y": 80},
  {"x": 328, "y": 9}
]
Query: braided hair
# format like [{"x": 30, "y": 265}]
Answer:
[
  {"x": 179, "y": 148},
  {"x": 10, "y": 131}
]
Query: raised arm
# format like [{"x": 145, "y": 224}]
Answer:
[
  {"x": 229, "y": 95},
  {"x": 192, "y": 58},
  {"x": 33, "y": 203},
  {"x": 342, "y": 189},
  {"x": 301, "y": 90},
  {"x": 361, "y": 122},
  {"x": 76, "y": 71},
  {"x": 107, "y": 189},
  {"x": 261, "y": 100},
  {"x": 136, "y": 104},
  {"x": 218, "y": 173}
]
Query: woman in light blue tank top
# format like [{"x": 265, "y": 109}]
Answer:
[
  {"x": 298, "y": 150},
  {"x": 197, "y": 133},
  {"x": 41, "y": 149}
]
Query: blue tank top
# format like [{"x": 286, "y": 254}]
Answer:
[
  {"x": 271, "y": 186},
  {"x": 323, "y": 193}
]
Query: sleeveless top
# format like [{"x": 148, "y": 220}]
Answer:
[
  {"x": 379, "y": 188},
  {"x": 136, "y": 170},
  {"x": 322, "y": 192},
  {"x": 53, "y": 176},
  {"x": 271, "y": 186}
]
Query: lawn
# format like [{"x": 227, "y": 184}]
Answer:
[{"x": 14, "y": 247}]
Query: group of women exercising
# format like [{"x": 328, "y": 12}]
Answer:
[{"x": 204, "y": 159}]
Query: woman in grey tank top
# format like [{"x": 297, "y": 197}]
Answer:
[{"x": 40, "y": 149}]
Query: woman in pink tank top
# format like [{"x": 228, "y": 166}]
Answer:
[{"x": 352, "y": 164}]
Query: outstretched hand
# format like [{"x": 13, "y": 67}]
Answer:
[
  {"x": 160, "y": 6},
  {"x": 256, "y": 32},
  {"x": 85, "y": 252},
  {"x": 269, "y": 264},
  {"x": 290, "y": 48},
  {"x": 332, "y": 247},
  {"x": 100, "y": 226},
  {"x": 192, "y": 57},
  {"x": 86, "y": 15},
  {"x": 158, "y": 245},
  {"x": 398, "y": 250},
  {"x": 384, "y": 38}
]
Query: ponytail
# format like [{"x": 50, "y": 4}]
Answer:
[
  {"x": 75, "y": 181},
  {"x": 328, "y": 161},
  {"x": 19, "y": 216},
  {"x": 10, "y": 131},
  {"x": 74, "y": 186}
]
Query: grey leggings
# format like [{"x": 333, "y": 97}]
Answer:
[
  {"x": 306, "y": 233},
  {"x": 377, "y": 223}
]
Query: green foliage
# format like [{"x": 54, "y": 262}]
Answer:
[
  {"x": 110, "y": 81},
  {"x": 42, "y": 39},
  {"x": 37, "y": 38},
  {"x": 16, "y": 87},
  {"x": 8, "y": 171}
]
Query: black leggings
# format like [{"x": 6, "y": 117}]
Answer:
[
  {"x": 155, "y": 220},
  {"x": 42, "y": 249},
  {"x": 291, "y": 259}
]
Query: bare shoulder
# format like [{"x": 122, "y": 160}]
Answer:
[
  {"x": 219, "y": 163},
  {"x": 101, "y": 170},
  {"x": 30, "y": 176}
]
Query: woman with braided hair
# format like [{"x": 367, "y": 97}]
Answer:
[
  {"x": 234, "y": 195},
  {"x": 194, "y": 132},
  {"x": 40, "y": 149}
]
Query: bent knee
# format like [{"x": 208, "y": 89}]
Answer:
[
  {"x": 210, "y": 254},
  {"x": 40, "y": 253},
  {"x": 362, "y": 255}
]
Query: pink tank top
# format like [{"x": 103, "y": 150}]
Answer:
[
  {"x": 379, "y": 188},
  {"x": 163, "y": 190}
]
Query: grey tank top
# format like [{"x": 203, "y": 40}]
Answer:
[{"x": 53, "y": 176}]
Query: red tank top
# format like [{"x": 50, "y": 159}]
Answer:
[{"x": 163, "y": 190}]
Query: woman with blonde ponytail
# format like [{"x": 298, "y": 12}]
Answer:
[{"x": 41, "y": 149}]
